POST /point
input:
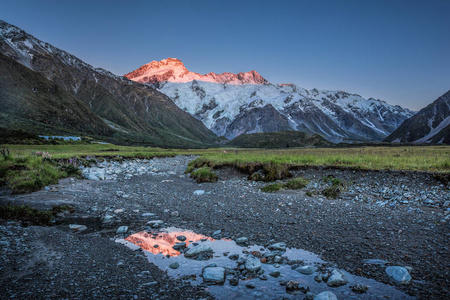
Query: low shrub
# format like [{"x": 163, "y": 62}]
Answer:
[
  {"x": 272, "y": 188},
  {"x": 204, "y": 175},
  {"x": 331, "y": 192},
  {"x": 296, "y": 183}
]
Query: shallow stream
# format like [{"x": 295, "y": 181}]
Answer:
[{"x": 164, "y": 255}]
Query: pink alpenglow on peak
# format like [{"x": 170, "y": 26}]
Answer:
[{"x": 173, "y": 70}]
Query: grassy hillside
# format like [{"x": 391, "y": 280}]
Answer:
[{"x": 283, "y": 139}]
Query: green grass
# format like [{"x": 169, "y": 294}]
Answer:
[
  {"x": 276, "y": 164},
  {"x": 25, "y": 173},
  {"x": 293, "y": 184},
  {"x": 333, "y": 180},
  {"x": 204, "y": 175},
  {"x": 26, "y": 214},
  {"x": 296, "y": 183}
]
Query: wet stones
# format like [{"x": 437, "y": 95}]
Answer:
[
  {"x": 213, "y": 275},
  {"x": 122, "y": 230},
  {"x": 252, "y": 264},
  {"x": 242, "y": 241},
  {"x": 155, "y": 223},
  {"x": 294, "y": 286},
  {"x": 199, "y": 252},
  {"x": 337, "y": 279},
  {"x": 179, "y": 246},
  {"x": 76, "y": 227},
  {"x": 181, "y": 238},
  {"x": 275, "y": 274},
  {"x": 326, "y": 296},
  {"x": 174, "y": 265},
  {"x": 399, "y": 275},
  {"x": 234, "y": 256},
  {"x": 278, "y": 246},
  {"x": 360, "y": 288},
  {"x": 306, "y": 270}
]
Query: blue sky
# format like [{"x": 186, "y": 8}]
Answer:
[{"x": 397, "y": 51}]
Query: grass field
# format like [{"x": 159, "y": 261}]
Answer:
[
  {"x": 24, "y": 171},
  {"x": 430, "y": 158}
]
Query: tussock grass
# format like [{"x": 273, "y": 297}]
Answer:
[
  {"x": 204, "y": 175},
  {"x": 26, "y": 214},
  {"x": 296, "y": 183},
  {"x": 277, "y": 163},
  {"x": 293, "y": 184}
]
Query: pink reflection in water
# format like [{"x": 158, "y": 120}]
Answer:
[{"x": 164, "y": 240}]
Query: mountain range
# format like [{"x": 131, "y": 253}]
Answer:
[
  {"x": 84, "y": 99},
  {"x": 45, "y": 90},
  {"x": 233, "y": 104}
]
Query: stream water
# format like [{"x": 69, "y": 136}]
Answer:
[{"x": 157, "y": 245}]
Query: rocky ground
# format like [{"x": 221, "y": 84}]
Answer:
[{"x": 401, "y": 218}]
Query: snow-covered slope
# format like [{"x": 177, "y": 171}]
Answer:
[
  {"x": 430, "y": 125},
  {"x": 233, "y": 104}
]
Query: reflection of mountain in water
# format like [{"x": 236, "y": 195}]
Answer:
[{"x": 164, "y": 240}]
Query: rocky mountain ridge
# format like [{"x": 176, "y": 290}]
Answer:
[
  {"x": 173, "y": 70},
  {"x": 430, "y": 125},
  {"x": 231, "y": 109}
]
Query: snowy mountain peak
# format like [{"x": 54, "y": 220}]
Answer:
[{"x": 173, "y": 70}]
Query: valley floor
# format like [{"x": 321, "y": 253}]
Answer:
[{"x": 54, "y": 262}]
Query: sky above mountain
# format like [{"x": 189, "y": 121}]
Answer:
[{"x": 397, "y": 51}]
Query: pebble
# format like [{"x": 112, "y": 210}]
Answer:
[{"x": 326, "y": 296}]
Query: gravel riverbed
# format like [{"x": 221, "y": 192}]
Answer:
[{"x": 400, "y": 218}]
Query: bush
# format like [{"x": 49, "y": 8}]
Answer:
[
  {"x": 272, "y": 188},
  {"x": 296, "y": 183},
  {"x": 204, "y": 175},
  {"x": 331, "y": 192},
  {"x": 333, "y": 180}
]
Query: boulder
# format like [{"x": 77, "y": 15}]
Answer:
[
  {"x": 399, "y": 275},
  {"x": 213, "y": 275}
]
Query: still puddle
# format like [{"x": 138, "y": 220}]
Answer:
[{"x": 157, "y": 245}]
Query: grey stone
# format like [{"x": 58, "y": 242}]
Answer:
[
  {"x": 194, "y": 251},
  {"x": 122, "y": 230},
  {"x": 310, "y": 296},
  {"x": 275, "y": 274},
  {"x": 155, "y": 223},
  {"x": 326, "y": 296},
  {"x": 179, "y": 246},
  {"x": 175, "y": 265},
  {"x": 77, "y": 227},
  {"x": 360, "y": 288},
  {"x": 242, "y": 241},
  {"x": 278, "y": 246},
  {"x": 399, "y": 275},
  {"x": 307, "y": 270},
  {"x": 214, "y": 275},
  {"x": 337, "y": 279},
  {"x": 252, "y": 264},
  {"x": 181, "y": 238},
  {"x": 199, "y": 192}
]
